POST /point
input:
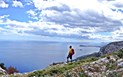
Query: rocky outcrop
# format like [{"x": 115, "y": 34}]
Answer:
[
  {"x": 104, "y": 67},
  {"x": 111, "y": 47},
  {"x": 111, "y": 66},
  {"x": 2, "y": 71}
]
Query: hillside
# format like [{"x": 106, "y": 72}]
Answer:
[
  {"x": 110, "y": 64},
  {"x": 111, "y": 47}
]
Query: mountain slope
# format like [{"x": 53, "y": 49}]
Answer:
[
  {"x": 111, "y": 47},
  {"x": 110, "y": 64}
]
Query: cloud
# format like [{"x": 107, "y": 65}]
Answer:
[
  {"x": 80, "y": 19},
  {"x": 3, "y": 18},
  {"x": 38, "y": 28},
  {"x": 87, "y": 17},
  {"x": 3, "y": 4},
  {"x": 77, "y": 13},
  {"x": 118, "y": 3},
  {"x": 17, "y": 4},
  {"x": 32, "y": 14},
  {"x": 118, "y": 34}
]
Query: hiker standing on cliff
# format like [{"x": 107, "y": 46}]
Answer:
[{"x": 70, "y": 54}]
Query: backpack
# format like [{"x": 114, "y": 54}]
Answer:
[{"x": 73, "y": 52}]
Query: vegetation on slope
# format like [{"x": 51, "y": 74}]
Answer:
[
  {"x": 57, "y": 70},
  {"x": 106, "y": 65},
  {"x": 110, "y": 64}
]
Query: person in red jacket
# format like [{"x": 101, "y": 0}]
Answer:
[{"x": 70, "y": 54}]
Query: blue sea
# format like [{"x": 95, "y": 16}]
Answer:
[{"x": 28, "y": 56}]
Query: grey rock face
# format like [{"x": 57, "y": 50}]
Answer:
[{"x": 111, "y": 47}]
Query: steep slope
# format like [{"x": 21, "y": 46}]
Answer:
[
  {"x": 111, "y": 47},
  {"x": 103, "y": 67},
  {"x": 109, "y": 65}
]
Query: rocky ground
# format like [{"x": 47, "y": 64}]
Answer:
[{"x": 109, "y": 65}]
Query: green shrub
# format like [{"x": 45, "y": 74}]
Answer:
[
  {"x": 60, "y": 69},
  {"x": 36, "y": 74},
  {"x": 114, "y": 74},
  {"x": 68, "y": 75},
  {"x": 119, "y": 53},
  {"x": 81, "y": 74},
  {"x": 91, "y": 59},
  {"x": 111, "y": 66}
]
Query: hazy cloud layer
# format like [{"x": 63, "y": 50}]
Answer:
[{"x": 80, "y": 19}]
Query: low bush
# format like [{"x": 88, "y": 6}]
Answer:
[
  {"x": 119, "y": 53},
  {"x": 12, "y": 70}
]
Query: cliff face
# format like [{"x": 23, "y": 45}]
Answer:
[{"x": 111, "y": 47}]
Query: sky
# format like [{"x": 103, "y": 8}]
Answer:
[{"x": 62, "y": 20}]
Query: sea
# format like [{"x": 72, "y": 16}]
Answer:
[{"x": 27, "y": 56}]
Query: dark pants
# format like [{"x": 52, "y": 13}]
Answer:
[{"x": 69, "y": 56}]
